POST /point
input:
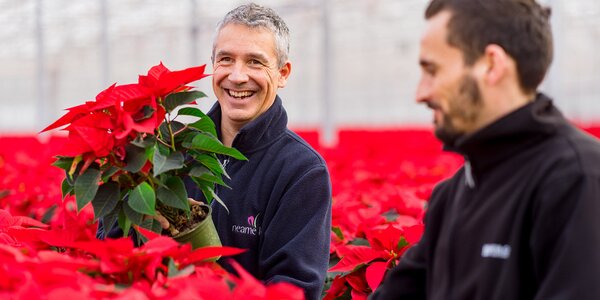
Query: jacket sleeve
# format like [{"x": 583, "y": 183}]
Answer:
[
  {"x": 297, "y": 238},
  {"x": 565, "y": 240}
]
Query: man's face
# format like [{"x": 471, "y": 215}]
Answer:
[
  {"x": 447, "y": 86},
  {"x": 246, "y": 73}
]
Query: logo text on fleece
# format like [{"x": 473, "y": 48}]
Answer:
[
  {"x": 495, "y": 251},
  {"x": 250, "y": 230}
]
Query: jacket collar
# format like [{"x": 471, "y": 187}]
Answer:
[
  {"x": 509, "y": 135},
  {"x": 258, "y": 133}
]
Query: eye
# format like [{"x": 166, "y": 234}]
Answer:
[
  {"x": 225, "y": 60},
  {"x": 255, "y": 63}
]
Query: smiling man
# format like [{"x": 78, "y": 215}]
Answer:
[
  {"x": 520, "y": 219},
  {"x": 279, "y": 204}
]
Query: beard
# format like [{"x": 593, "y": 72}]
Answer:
[{"x": 464, "y": 108}]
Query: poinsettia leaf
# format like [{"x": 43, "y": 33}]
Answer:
[
  {"x": 110, "y": 220},
  {"x": 374, "y": 274},
  {"x": 192, "y": 111},
  {"x": 112, "y": 170},
  {"x": 177, "y": 99},
  {"x": 86, "y": 186},
  {"x": 358, "y": 256},
  {"x": 142, "y": 199},
  {"x": 166, "y": 133},
  {"x": 63, "y": 162},
  {"x": 164, "y": 163},
  {"x": 209, "y": 177},
  {"x": 66, "y": 188},
  {"x": 211, "y": 162},
  {"x": 413, "y": 233},
  {"x": 216, "y": 197},
  {"x": 148, "y": 234},
  {"x": 205, "y": 125},
  {"x": 134, "y": 216},
  {"x": 135, "y": 158},
  {"x": 149, "y": 224},
  {"x": 402, "y": 243},
  {"x": 211, "y": 144},
  {"x": 144, "y": 142},
  {"x": 173, "y": 193},
  {"x": 338, "y": 232},
  {"x": 208, "y": 252},
  {"x": 105, "y": 200},
  {"x": 124, "y": 222}
]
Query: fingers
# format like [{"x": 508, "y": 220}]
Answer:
[
  {"x": 192, "y": 201},
  {"x": 164, "y": 223}
]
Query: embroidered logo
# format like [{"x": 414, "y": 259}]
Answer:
[
  {"x": 248, "y": 230},
  {"x": 495, "y": 251}
]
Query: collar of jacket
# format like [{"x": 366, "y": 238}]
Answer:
[
  {"x": 509, "y": 135},
  {"x": 258, "y": 133}
]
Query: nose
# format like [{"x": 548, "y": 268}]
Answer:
[
  {"x": 238, "y": 74},
  {"x": 423, "y": 90}
]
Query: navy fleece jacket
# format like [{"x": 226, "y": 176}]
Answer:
[{"x": 279, "y": 203}]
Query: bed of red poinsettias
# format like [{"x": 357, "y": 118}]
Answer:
[{"x": 381, "y": 183}]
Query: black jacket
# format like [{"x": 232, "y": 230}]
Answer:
[
  {"x": 279, "y": 203},
  {"x": 520, "y": 220}
]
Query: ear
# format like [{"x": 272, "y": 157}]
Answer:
[
  {"x": 497, "y": 64},
  {"x": 284, "y": 73}
]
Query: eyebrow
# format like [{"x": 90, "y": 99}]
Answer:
[{"x": 255, "y": 55}]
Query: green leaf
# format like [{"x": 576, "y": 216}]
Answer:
[
  {"x": 151, "y": 224},
  {"x": 211, "y": 162},
  {"x": 112, "y": 170},
  {"x": 134, "y": 216},
  {"x": 164, "y": 163},
  {"x": 145, "y": 142},
  {"x": 202, "y": 173},
  {"x": 111, "y": 219},
  {"x": 124, "y": 222},
  {"x": 173, "y": 193},
  {"x": 142, "y": 199},
  {"x": 63, "y": 162},
  {"x": 86, "y": 186},
  {"x": 338, "y": 232},
  {"x": 402, "y": 243},
  {"x": 135, "y": 158},
  {"x": 106, "y": 199},
  {"x": 211, "y": 144},
  {"x": 66, "y": 188},
  {"x": 177, "y": 99},
  {"x": 164, "y": 130},
  {"x": 204, "y": 124},
  {"x": 209, "y": 194},
  {"x": 49, "y": 214}
]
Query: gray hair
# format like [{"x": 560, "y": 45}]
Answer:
[{"x": 255, "y": 16}]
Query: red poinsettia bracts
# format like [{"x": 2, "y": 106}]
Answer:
[{"x": 120, "y": 112}]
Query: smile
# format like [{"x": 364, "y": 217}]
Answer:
[{"x": 240, "y": 94}]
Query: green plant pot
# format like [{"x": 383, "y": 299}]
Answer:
[{"x": 203, "y": 234}]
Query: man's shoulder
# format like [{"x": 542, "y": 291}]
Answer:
[
  {"x": 576, "y": 151},
  {"x": 296, "y": 148}
]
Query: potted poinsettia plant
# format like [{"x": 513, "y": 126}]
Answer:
[{"x": 128, "y": 154}]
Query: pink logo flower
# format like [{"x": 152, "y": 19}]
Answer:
[{"x": 253, "y": 220}]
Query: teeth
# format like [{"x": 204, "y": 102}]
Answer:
[{"x": 240, "y": 94}]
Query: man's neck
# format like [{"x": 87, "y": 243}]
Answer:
[{"x": 228, "y": 132}]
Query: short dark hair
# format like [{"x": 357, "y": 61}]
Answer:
[{"x": 520, "y": 27}]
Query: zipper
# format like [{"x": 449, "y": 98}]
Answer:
[{"x": 467, "y": 192}]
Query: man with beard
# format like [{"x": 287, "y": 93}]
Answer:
[{"x": 520, "y": 219}]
